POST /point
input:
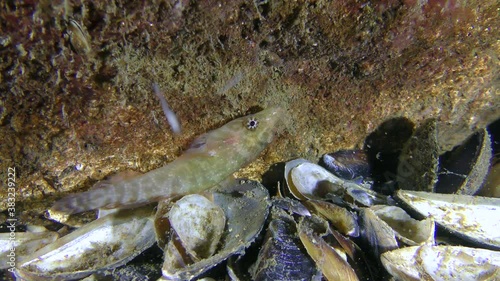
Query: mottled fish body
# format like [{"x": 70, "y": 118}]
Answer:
[{"x": 212, "y": 158}]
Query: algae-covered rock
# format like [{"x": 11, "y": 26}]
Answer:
[{"x": 77, "y": 102}]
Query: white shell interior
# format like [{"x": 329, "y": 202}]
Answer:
[{"x": 199, "y": 223}]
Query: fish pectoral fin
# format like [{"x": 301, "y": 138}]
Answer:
[
  {"x": 113, "y": 208},
  {"x": 225, "y": 184},
  {"x": 199, "y": 144},
  {"x": 228, "y": 182}
]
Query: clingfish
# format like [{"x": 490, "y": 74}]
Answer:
[{"x": 212, "y": 158}]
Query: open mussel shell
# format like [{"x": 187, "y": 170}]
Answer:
[
  {"x": 472, "y": 218},
  {"x": 385, "y": 228},
  {"x": 491, "y": 187},
  {"x": 332, "y": 263},
  {"x": 306, "y": 180},
  {"x": 300, "y": 192},
  {"x": 199, "y": 224},
  {"x": 377, "y": 235},
  {"x": 245, "y": 205},
  {"x": 25, "y": 243},
  {"x": 343, "y": 220},
  {"x": 314, "y": 182},
  {"x": 442, "y": 263},
  {"x": 464, "y": 169},
  {"x": 105, "y": 243},
  {"x": 410, "y": 231}
]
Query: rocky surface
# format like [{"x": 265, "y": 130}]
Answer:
[{"x": 77, "y": 102}]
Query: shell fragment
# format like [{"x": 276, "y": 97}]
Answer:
[
  {"x": 442, "y": 263},
  {"x": 105, "y": 243},
  {"x": 473, "y": 218}
]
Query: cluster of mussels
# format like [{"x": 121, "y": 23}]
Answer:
[
  {"x": 420, "y": 218},
  {"x": 403, "y": 212}
]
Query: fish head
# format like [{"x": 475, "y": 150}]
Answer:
[
  {"x": 255, "y": 130},
  {"x": 242, "y": 139}
]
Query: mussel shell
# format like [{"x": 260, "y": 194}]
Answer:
[
  {"x": 298, "y": 192},
  {"x": 418, "y": 162},
  {"x": 408, "y": 230},
  {"x": 145, "y": 266},
  {"x": 472, "y": 218},
  {"x": 347, "y": 164},
  {"x": 291, "y": 206},
  {"x": 342, "y": 219},
  {"x": 464, "y": 169},
  {"x": 162, "y": 222},
  {"x": 282, "y": 256},
  {"x": 377, "y": 235},
  {"x": 25, "y": 243},
  {"x": 314, "y": 182},
  {"x": 246, "y": 206},
  {"x": 491, "y": 187},
  {"x": 306, "y": 180},
  {"x": 105, "y": 243},
  {"x": 332, "y": 265},
  {"x": 364, "y": 196},
  {"x": 442, "y": 263},
  {"x": 199, "y": 224}
]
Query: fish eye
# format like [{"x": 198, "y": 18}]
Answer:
[{"x": 252, "y": 123}]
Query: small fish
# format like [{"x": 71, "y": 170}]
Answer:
[
  {"x": 212, "y": 157},
  {"x": 169, "y": 113}
]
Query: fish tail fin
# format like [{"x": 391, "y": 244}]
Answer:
[{"x": 104, "y": 194}]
